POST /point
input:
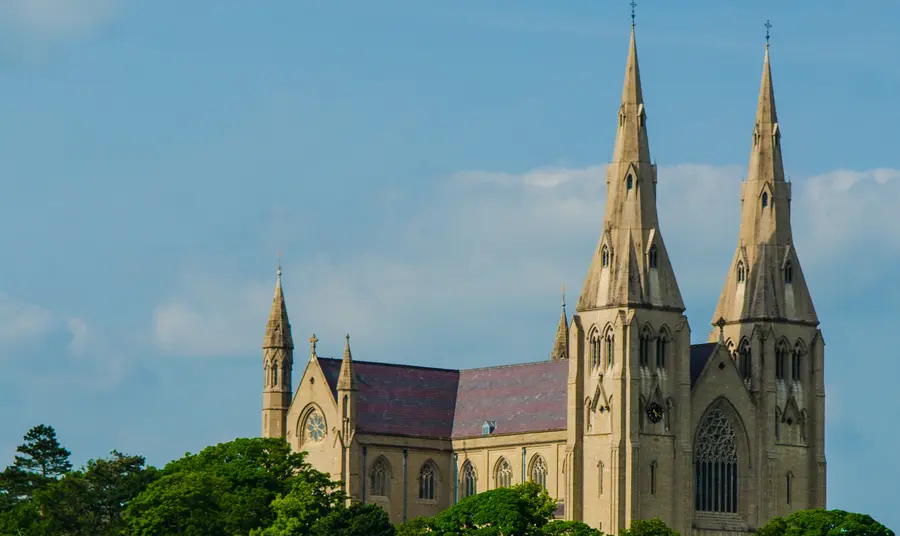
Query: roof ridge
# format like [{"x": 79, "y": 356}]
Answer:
[
  {"x": 510, "y": 365},
  {"x": 402, "y": 365}
]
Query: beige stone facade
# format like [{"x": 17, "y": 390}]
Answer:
[{"x": 626, "y": 420}]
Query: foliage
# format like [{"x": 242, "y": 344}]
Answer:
[
  {"x": 41, "y": 460},
  {"x": 226, "y": 489},
  {"x": 648, "y": 527},
  {"x": 417, "y": 526},
  {"x": 820, "y": 522},
  {"x": 90, "y": 501},
  {"x": 357, "y": 520},
  {"x": 312, "y": 497},
  {"x": 569, "y": 528},
  {"x": 522, "y": 510}
]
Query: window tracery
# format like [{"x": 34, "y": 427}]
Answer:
[
  {"x": 503, "y": 476},
  {"x": 379, "y": 477},
  {"x": 469, "y": 480},
  {"x": 426, "y": 481},
  {"x": 539, "y": 471},
  {"x": 314, "y": 428},
  {"x": 716, "y": 464}
]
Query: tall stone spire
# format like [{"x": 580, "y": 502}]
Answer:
[
  {"x": 631, "y": 266},
  {"x": 278, "y": 361},
  {"x": 765, "y": 281},
  {"x": 561, "y": 343},
  {"x": 278, "y": 329}
]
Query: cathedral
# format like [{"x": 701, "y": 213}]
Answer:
[{"x": 626, "y": 419}]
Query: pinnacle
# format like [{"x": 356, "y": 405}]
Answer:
[
  {"x": 346, "y": 378},
  {"x": 278, "y": 328}
]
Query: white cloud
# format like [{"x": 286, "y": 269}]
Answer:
[
  {"x": 21, "y": 321},
  {"x": 50, "y": 20},
  {"x": 487, "y": 240}
]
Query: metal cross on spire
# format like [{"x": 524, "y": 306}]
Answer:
[
  {"x": 633, "y": 5},
  {"x": 768, "y": 27}
]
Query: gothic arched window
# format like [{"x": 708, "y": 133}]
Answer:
[
  {"x": 796, "y": 364},
  {"x": 652, "y": 257},
  {"x": 716, "y": 464},
  {"x": 599, "y": 478},
  {"x": 610, "y": 349},
  {"x": 741, "y": 275},
  {"x": 644, "y": 348},
  {"x": 745, "y": 356},
  {"x": 503, "y": 474},
  {"x": 539, "y": 471},
  {"x": 595, "y": 350},
  {"x": 604, "y": 256},
  {"x": 780, "y": 357},
  {"x": 661, "y": 346},
  {"x": 379, "y": 477},
  {"x": 788, "y": 273},
  {"x": 313, "y": 427},
  {"x": 426, "y": 481},
  {"x": 469, "y": 480},
  {"x": 765, "y": 199},
  {"x": 629, "y": 182}
]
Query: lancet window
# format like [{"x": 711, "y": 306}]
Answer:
[
  {"x": 503, "y": 475},
  {"x": 644, "y": 348},
  {"x": 426, "y": 481},
  {"x": 379, "y": 477},
  {"x": 469, "y": 480},
  {"x": 661, "y": 348},
  {"x": 539, "y": 471}
]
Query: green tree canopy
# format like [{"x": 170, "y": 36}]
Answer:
[
  {"x": 818, "y": 522},
  {"x": 648, "y": 527},
  {"x": 522, "y": 510},
  {"x": 40, "y": 460},
  {"x": 417, "y": 526},
  {"x": 357, "y": 520},
  {"x": 312, "y": 497},
  {"x": 569, "y": 528},
  {"x": 225, "y": 489}
]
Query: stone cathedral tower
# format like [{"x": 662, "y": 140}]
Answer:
[
  {"x": 630, "y": 346},
  {"x": 767, "y": 319},
  {"x": 278, "y": 361}
]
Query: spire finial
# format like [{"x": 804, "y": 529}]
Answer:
[
  {"x": 633, "y": 5},
  {"x": 279, "y": 266},
  {"x": 564, "y": 295},
  {"x": 312, "y": 344},
  {"x": 768, "y": 35}
]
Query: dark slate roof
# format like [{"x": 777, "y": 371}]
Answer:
[
  {"x": 530, "y": 397},
  {"x": 444, "y": 403},
  {"x": 400, "y": 399},
  {"x": 700, "y": 354}
]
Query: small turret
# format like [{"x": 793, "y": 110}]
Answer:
[{"x": 278, "y": 361}]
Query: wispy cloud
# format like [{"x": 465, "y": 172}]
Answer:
[
  {"x": 490, "y": 235},
  {"x": 41, "y": 22},
  {"x": 21, "y": 321}
]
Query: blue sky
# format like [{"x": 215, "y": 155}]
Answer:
[{"x": 432, "y": 172}]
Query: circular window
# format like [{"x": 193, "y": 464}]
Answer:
[{"x": 315, "y": 427}]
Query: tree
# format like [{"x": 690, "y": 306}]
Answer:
[
  {"x": 312, "y": 497},
  {"x": 225, "y": 489},
  {"x": 648, "y": 527},
  {"x": 357, "y": 520},
  {"x": 818, "y": 522},
  {"x": 417, "y": 526},
  {"x": 41, "y": 460},
  {"x": 522, "y": 510},
  {"x": 569, "y": 528},
  {"x": 90, "y": 501}
]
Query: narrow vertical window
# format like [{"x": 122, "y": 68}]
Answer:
[
  {"x": 469, "y": 479},
  {"x": 644, "y": 349},
  {"x": 661, "y": 344},
  {"x": 379, "y": 477},
  {"x": 629, "y": 182},
  {"x": 599, "y": 478},
  {"x": 787, "y": 487},
  {"x": 426, "y": 482},
  {"x": 788, "y": 273},
  {"x": 595, "y": 351},
  {"x": 503, "y": 476},
  {"x": 765, "y": 199},
  {"x": 745, "y": 364},
  {"x": 780, "y": 354},
  {"x": 653, "y": 467},
  {"x": 604, "y": 256},
  {"x": 539, "y": 471},
  {"x": 275, "y": 375},
  {"x": 740, "y": 272},
  {"x": 610, "y": 350},
  {"x": 795, "y": 365},
  {"x": 651, "y": 257}
]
